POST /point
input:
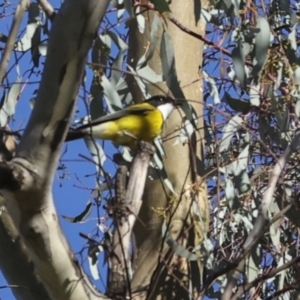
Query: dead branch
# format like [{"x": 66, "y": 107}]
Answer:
[{"x": 125, "y": 213}]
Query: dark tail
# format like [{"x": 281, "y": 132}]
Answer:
[{"x": 74, "y": 135}]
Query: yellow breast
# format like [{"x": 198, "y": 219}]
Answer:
[
  {"x": 142, "y": 127},
  {"x": 128, "y": 129}
]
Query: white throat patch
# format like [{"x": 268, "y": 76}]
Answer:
[{"x": 166, "y": 109}]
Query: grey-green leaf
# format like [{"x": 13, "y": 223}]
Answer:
[
  {"x": 161, "y": 6},
  {"x": 118, "y": 41},
  {"x": 148, "y": 75},
  {"x": 154, "y": 37},
  {"x": 96, "y": 105},
  {"x": 239, "y": 105},
  {"x": 116, "y": 70},
  {"x": 238, "y": 59},
  {"x": 97, "y": 153},
  {"x": 213, "y": 90},
  {"x": 140, "y": 20},
  {"x": 81, "y": 217},
  {"x": 262, "y": 42},
  {"x": 168, "y": 66},
  {"x": 297, "y": 108},
  {"x": 9, "y": 103},
  {"x": 229, "y": 130},
  {"x": 175, "y": 246},
  {"x": 197, "y": 11},
  {"x": 113, "y": 100}
]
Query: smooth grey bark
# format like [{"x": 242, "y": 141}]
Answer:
[
  {"x": 26, "y": 181},
  {"x": 15, "y": 263}
]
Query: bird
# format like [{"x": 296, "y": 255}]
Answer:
[{"x": 143, "y": 121}]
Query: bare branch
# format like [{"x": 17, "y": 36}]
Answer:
[
  {"x": 10, "y": 44},
  {"x": 125, "y": 213}
]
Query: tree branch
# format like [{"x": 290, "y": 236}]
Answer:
[
  {"x": 10, "y": 43},
  {"x": 199, "y": 36},
  {"x": 125, "y": 214},
  {"x": 29, "y": 193},
  {"x": 257, "y": 232},
  {"x": 13, "y": 252}
]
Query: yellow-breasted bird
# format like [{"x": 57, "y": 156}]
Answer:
[{"x": 143, "y": 121}]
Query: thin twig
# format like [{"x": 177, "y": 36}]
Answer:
[
  {"x": 199, "y": 36},
  {"x": 10, "y": 44},
  {"x": 263, "y": 277},
  {"x": 257, "y": 231}
]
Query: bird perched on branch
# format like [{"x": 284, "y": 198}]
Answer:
[{"x": 143, "y": 121}]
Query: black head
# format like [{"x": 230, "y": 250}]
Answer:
[{"x": 161, "y": 99}]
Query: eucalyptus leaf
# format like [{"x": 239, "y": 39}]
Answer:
[
  {"x": 25, "y": 43},
  {"x": 42, "y": 47},
  {"x": 128, "y": 7},
  {"x": 239, "y": 105},
  {"x": 255, "y": 95},
  {"x": 116, "y": 70},
  {"x": 296, "y": 75},
  {"x": 9, "y": 101},
  {"x": 197, "y": 11},
  {"x": 123, "y": 91},
  {"x": 140, "y": 83},
  {"x": 3, "y": 37},
  {"x": 12, "y": 97},
  {"x": 262, "y": 42},
  {"x": 161, "y": 6},
  {"x": 297, "y": 108},
  {"x": 140, "y": 20},
  {"x": 113, "y": 99},
  {"x": 82, "y": 216},
  {"x": 96, "y": 105},
  {"x": 154, "y": 38},
  {"x": 292, "y": 38},
  {"x": 93, "y": 252},
  {"x": 120, "y": 13},
  {"x": 229, "y": 192},
  {"x": 238, "y": 59},
  {"x": 106, "y": 40},
  {"x": 33, "y": 13},
  {"x": 187, "y": 129},
  {"x": 147, "y": 75},
  {"x": 97, "y": 153},
  {"x": 213, "y": 90},
  {"x": 229, "y": 130},
  {"x": 117, "y": 40},
  {"x": 242, "y": 161},
  {"x": 242, "y": 182},
  {"x": 168, "y": 66},
  {"x": 175, "y": 246}
]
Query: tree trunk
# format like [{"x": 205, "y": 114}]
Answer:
[{"x": 164, "y": 275}]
